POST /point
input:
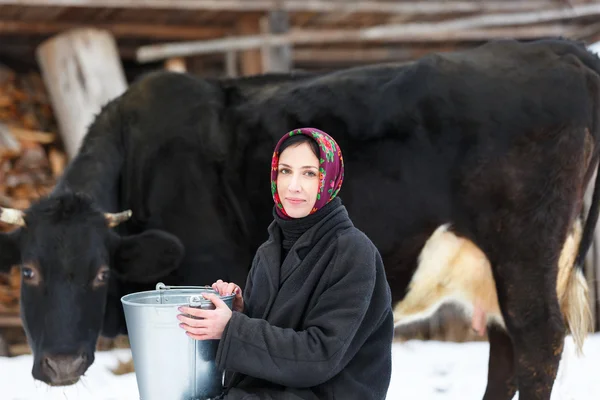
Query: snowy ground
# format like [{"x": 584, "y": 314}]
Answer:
[{"x": 421, "y": 370}]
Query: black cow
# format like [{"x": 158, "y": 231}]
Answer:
[{"x": 490, "y": 148}]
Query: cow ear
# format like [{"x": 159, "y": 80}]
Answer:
[
  {"x": 147, "y": 257},
  {"x": 10, "y": 253}
]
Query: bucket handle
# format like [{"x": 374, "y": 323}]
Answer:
[
  {"x": 162, "y": 286},
  {"x": 196, "y": 301}
]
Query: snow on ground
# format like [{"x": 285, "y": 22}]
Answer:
[{"x": 421, "y": 370}]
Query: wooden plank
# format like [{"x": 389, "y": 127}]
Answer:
[
  {"x": 343, "y": 56},
  {"x": 19, "y": 349},
  {"x": 26, "y": 51},
  {"x": 31, "y": 135},
  {"x": 491, "y": 20},
  {"x": 10, "y": 321},
  {"x": 305, "y": 37},
  {"x": 367, "y": 55},
  {"x": 9, "y": 145},
  {"x": 364, "y": 6},
  {"x": 250, "y": 57},
  {"x": 278, "y": 58},
  {"x": 121, "y": 30},
  {"x": 58, "y": 161},
  {"x": 590, "y": 33},
  {"x": 4, "y": 351},
  {"x": 231, "y": 70}
]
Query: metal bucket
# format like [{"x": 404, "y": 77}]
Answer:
[{"x": 168, "y": 363}]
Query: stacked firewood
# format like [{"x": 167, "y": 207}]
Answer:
[{"x": 31, "y": 156}]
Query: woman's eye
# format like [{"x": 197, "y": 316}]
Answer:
[
  {"x": 284, "y": 171},
  {"x": 311, "y": 174}
]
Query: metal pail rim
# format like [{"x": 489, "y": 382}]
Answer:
[{"x": 163, "y": 290}]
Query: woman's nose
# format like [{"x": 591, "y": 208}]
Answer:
[{"x": 294, "y": 185}]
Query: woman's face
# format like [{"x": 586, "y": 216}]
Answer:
[{"x": 298, "y": 180}]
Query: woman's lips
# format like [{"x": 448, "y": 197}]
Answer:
[{"x": 295, "y": 201}]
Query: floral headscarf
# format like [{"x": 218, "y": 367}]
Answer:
[{"x": 331, "y": 168}]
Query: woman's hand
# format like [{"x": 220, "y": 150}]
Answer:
[
  {"x": 211, "y": 323},
  {"x": 226, "y": 289}
]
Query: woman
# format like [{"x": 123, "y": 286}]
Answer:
[{"x": 315, "y": 321}]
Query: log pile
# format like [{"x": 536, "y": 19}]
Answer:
[{"x": 31, "y": 158}]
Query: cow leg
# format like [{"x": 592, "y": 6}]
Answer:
[
  {"x": 502, "y": 384},
  {"x": 533, "y": 319}
]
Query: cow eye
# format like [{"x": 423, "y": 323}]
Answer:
[
  {"x": 103, "y": 275},
  {"x": 31, "y": 274},
  {"x": 28, "y": 273}
]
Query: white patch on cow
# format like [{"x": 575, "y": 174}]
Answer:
[
  {"x": 454, "y": 270},
  {"x": 451, "y": 270}
]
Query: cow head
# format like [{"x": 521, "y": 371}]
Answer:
[{"x": 68, "y": 252}]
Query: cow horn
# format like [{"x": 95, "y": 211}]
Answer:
[
  {"x": 12, "y": 216},
  {"x": 116, "y": 218}
]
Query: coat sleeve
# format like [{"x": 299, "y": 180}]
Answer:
[{"x": 334, "y": 330}]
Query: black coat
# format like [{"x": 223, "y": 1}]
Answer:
[{"x": 318, "y": 326}]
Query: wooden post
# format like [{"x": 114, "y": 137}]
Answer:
[
  {"x": 251, "y": 63},
  {"x": 4, "y": 351},
  {"x": 265, "y": 56},
  {"x": 279, "y": 57},
  {"x": 231, "y": 64},
  {"x": 82, "y": 71}
]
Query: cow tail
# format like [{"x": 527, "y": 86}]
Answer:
[
  {"x": 590, "y": 226},
  {"x": 576, "y": 304},
  {"x": 593, "y": 62}
]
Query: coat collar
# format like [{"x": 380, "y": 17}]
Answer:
[{"x": 270, "y": 252}]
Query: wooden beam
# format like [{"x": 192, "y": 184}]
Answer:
[
  {"x": 10, "y": 321},
  {"x": 26, "y": 51},
  {"x": 365, "y": 6},
  {"x": 297, "y": 37},
  {"x": 32, "y": 135},
  {"x": 4, "y": 350},
  {"x": 367, "y": 55},
  {"x": 250, "y": 57},
  {"x": 490, "y": 20},
  {"x": 118, "y": 30},
  {"x": 348, "y": 56}
]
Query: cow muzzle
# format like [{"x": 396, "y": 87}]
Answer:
[{"x": 61, "y": 369}]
